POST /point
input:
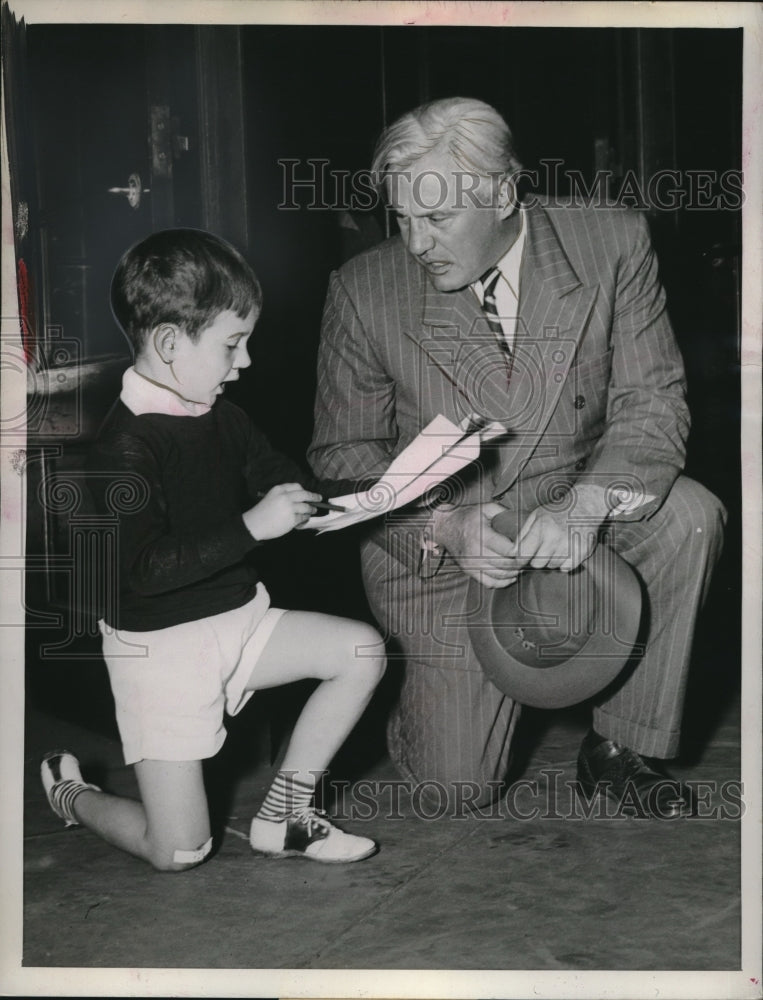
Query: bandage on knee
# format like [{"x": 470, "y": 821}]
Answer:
[{"x": 192, "y": 857}]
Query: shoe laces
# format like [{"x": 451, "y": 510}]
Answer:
[
  {"x": 311, "y": 818},
  {"x": 629, "y": 765},
  {"x": 631, "y": 762}
]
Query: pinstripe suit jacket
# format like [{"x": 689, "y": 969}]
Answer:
[{"x": 596, "y": 391}]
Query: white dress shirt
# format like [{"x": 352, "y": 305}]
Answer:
[{"x": 507, "y": 286}]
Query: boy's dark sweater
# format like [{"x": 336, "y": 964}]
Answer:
[{"x": 183, "y": 549}]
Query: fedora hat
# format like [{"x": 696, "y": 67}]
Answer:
[{"x": 553, "y": 639}]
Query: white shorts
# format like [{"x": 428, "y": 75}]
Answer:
[{"x": 171, "y": 686}]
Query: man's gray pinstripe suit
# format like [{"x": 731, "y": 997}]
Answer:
[{"x": 596, "y": 395}]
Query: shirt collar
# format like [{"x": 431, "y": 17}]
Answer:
[
  {"x": 510, "y": 263},
  {"x": 142, "y": 395}
]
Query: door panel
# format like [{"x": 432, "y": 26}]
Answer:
[{"x": 106, "y": 154}]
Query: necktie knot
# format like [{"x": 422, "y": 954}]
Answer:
[{"x": 489, "y": 280}]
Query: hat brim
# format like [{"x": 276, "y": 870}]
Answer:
[{"x": 604, "y": 654}]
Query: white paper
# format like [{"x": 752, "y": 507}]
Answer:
[{"x": 441, "y": 449}]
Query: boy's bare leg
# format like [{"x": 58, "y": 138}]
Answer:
[
  {"x": 172, "y": 817},
  {"x": 169, "y": 827},
  {"x": 346, "y": 656},
  {"x": 348, "y": 659}
]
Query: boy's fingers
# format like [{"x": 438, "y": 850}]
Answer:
[{"x": 305, "y": 495}]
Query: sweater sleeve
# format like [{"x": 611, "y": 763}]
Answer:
[
  {"x": 154, "y": 558},
  {"x": 266, "y": 467}
]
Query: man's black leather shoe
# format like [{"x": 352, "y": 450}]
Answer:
[{"x": 624, "y": 777}]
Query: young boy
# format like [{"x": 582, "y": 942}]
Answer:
[{"x": 191, "y": 632}]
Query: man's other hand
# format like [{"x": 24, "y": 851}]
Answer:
[
  {"x": 481, "y": 551},
  {"x": 563, "y": 539}
]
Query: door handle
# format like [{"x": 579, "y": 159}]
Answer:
[{"x": 134, "y": 190}]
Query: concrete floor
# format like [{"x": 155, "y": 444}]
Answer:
[{"x": 501, "y": 893}]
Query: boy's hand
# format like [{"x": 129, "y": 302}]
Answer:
[{"x": 283, "y": 508}]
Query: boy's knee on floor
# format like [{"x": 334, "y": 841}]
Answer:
[{"x": 180, "y": 860}]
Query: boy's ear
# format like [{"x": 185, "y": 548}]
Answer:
[{"x": 164, "y": 338}]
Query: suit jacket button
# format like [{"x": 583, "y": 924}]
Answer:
[
  {"x": 580, "y": 465},
  {"x": 579, "y": 402}
]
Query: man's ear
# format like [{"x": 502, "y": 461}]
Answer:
[
  {"x": 163, "y": 338},
  {"x": 508, "y": 201}
]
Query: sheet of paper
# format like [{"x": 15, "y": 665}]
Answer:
[{"x": 440, "y": 450}]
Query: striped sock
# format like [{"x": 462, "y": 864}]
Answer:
[
  {"x": 63, "y": 795},
  {"x": 285, "y": 796}
]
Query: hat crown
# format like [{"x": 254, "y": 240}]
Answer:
[
  {"x": 553, "y": 639},
  {"x": 550, "y": 617}
]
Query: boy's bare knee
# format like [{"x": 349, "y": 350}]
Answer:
[
  {"x": 165, "y": 866},
  {"x": 179, "y": 860},
  {"x": 368, "y": 651}
]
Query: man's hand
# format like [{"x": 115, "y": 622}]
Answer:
[
  {"x": 480, "y": 550},
  {"x": 548, "y": 538},
  {"x": 562, "y": 539},
  {"x": 282, "y": 508}
]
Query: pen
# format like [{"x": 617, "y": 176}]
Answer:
[
  {"x": 323, "y": 505},
  {"x": 320, "y": 504}
]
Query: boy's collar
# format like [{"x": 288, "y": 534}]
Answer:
[{"x": 142, "y": 394}]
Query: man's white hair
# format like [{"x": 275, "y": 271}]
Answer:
[{"x": 471, "y": 131}]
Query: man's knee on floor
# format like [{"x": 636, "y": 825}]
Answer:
[
  {"x": 165, "y": 859},
  {"x": 456, "y": 798},
  {"x": 438, "y": 791}
]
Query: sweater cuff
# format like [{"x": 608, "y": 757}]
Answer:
[{"x": 227, "y": 544}]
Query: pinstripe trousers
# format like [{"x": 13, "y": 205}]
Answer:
[{"x": 452, "y": 725}]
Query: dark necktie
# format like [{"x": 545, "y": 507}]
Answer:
[{"x": 489, "y": 281}]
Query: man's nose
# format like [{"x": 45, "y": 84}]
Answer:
[{"x": 420, "y": 237}]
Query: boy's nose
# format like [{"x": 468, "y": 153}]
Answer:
[{"x": 242, "y": 359}]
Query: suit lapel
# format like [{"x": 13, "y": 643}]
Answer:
[
  {"x": 553, "y": 311},
  {"x": 456, "y": 338}
]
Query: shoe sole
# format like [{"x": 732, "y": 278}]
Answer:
[
  {"x": 56, "y": 753},
  {"x": 311, "y": 857},
  {"x": 53, "y": 754}
]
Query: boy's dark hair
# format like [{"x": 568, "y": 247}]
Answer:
[{"x": 182, "y": 276}]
